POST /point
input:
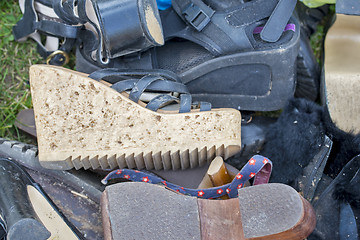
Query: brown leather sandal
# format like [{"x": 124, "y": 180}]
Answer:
[{"x": 268, "y": 211}]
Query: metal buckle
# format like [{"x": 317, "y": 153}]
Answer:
[
  {"x": 197, "y": 17},
  {"x": 64, "y": 59}
]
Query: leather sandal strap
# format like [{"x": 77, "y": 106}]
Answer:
[
  {"x": 34, "y": 22},
  {"x": 164, "y": 86},
  {"x": 65, "y": 10},
  {"x": 169, "y": 81},
  {"x": 30, "y": 23},
  {"x": 159, "y": 101},
  {"x": 141, "y": 86},
  {"x": 46, "y": 2},
  {"x": 205, "y": 106},
  {"x": 57, "y": 29},
  {"x": 150, "y": 80},
  {"x": 185, "y": 103},
  {"x": 113, "y": 75}
]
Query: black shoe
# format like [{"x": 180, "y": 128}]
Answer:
[{"x": 27, "y": 211}]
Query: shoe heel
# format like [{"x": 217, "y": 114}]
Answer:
[{"x": 98, "y": 127}]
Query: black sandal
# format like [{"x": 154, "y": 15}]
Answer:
[
  {"x": 223, "y": 55},
  {"x": 26, "y": 209}
]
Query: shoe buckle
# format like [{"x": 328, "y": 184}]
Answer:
[
  {"x": 197, "y": 17},
  {"x": 64, "y": 57}
]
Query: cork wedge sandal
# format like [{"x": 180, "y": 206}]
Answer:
[
  {"x": 341, "y": 72},
  {"x": 266, "y": 211},
  {"x": 84, "y": 123}
]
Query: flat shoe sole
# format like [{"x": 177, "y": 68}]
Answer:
[
  {"x": 268, "y": 211},
  {"x": 81, "y": 122}
]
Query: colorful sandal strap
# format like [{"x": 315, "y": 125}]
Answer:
[{"x": 258, "y": 167}]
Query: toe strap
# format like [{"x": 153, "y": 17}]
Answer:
[
  {"x": 140, "y": 81},
  {"x": 159, "y": 101}
]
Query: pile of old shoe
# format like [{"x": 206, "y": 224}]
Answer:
[{"x": 132, "y": 144}]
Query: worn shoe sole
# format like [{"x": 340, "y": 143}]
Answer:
[
  {"x": 81, "y": 122},
  {"x": 341, "y": 72},
  {"x": 267, "y": 211}
]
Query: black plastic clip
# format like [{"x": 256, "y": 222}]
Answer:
[{"x": 198, "y": 17}]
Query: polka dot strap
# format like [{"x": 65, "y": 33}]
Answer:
[{"x": 258, "y": 167}]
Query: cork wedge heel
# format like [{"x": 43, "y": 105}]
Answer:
[
  {"x": 341, "y": 72},
  {"x": 83, "y": 123}
]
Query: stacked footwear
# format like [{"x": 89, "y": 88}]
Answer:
[
  {"x": 130, "y": 106},
  {"x": 200, "y": 41}
]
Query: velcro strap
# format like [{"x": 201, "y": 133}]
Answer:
[
  {"x": 275, "y": 26},
  {"x": 251, "y": 12},
  {"x": 220, "y": 32}
]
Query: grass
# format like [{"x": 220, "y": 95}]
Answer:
[
  {"x": 14, "y": 64},
  {"x": 16, "y": 58},
  {"x": 316, "y": 40}
]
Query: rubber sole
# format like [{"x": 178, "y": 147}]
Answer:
[
  {"x": 83, "y": 123},
  {"x": 268, "y": 211},
  {"x": 341, "y": 72},
  {"x": 247, "y": 80}
]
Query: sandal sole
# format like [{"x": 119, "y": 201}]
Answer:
[
  {"x": 341, "y": 73},
  {"x": 83, "y": 123},
  {"x": 268, "y": 211},
  {"x": 272, "y": 82}
]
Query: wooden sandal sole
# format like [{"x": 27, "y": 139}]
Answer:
[
  {"x": 341, "y": 72},
  {"x": 268, "y": 211},
  {"x": 83, "y": 123}
]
